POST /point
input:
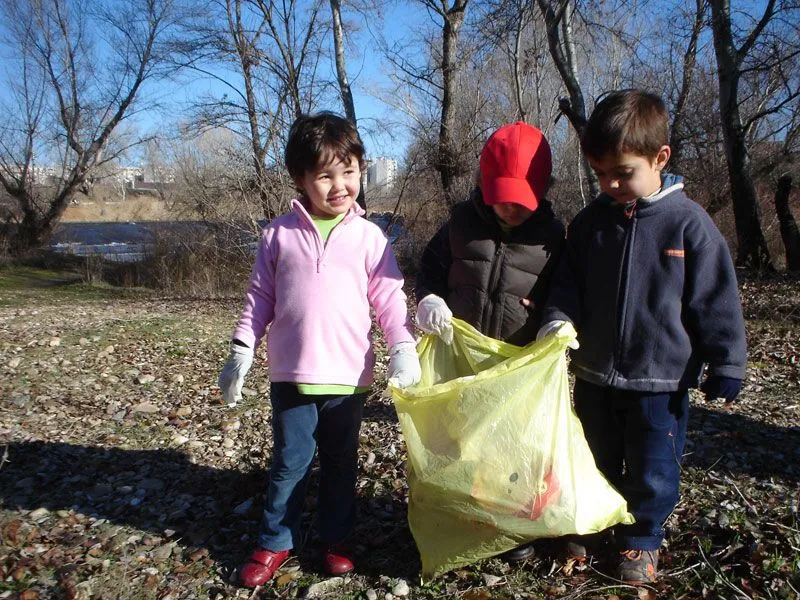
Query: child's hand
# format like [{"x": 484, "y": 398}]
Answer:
[
  {"x": 528, "y": 304},
  {"x": 551, "y": 328},
  {"x": 233, "y": 373},
  {"x": 434, "y": 316},
  {"x": 717, "y": 386},
  {"x": 404, "y": 369}
]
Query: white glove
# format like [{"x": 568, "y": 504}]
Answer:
[
  {"x": 404, "y": 370},
  {"x": 231, "y": 379},
  {"x": 433, "y": 316},
  {"x": 551, "y": 328}
]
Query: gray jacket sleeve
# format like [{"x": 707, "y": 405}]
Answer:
[
  {"x": 434, "y": 265},
  {"x": 563, "y": 299},
  {"x": 713, "y": 308}
]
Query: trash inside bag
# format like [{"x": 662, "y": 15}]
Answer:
[{"x": 496, "y": 456}]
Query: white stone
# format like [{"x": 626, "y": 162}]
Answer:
[
  {"x": 323, "y": 588},
  {"x": 400, "y": 588},
  {"x": 38, "y": 513}
]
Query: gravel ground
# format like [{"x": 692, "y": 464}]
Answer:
[{"x": 122, "y": 475}]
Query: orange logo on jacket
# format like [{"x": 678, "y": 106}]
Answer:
[{"x": 676, "y": 252}]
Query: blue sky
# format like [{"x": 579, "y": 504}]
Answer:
[{"x": 366, "y": 72}]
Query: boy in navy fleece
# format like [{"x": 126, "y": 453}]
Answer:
[{"x": 648, "y": 282}]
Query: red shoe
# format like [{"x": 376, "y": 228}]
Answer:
[
  {"x": 337, "y": 559},
  {"x": 261, "y": 566}
]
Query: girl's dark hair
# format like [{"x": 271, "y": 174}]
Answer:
[
  {"x": 319, "y": 139},
  {"x": 632, "y": 121}
]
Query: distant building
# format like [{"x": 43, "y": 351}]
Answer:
[{"x": 381, "y": 173}]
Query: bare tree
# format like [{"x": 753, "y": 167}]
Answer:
[
  {"x": 678, "y": 134},
  {"x": 790, "y": 234},
  {"x": 558, "y": 16},
  {"x": 734, "y": 59},
  {"x": 81, "y": 69},
  {"x": 511, "y": 30},
  {"x": 341, "y": 64},
  {"x": 447, "y": 160},
  {"x": 265, "y": 54}
]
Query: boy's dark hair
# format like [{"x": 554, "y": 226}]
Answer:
[
  {"x": 319, "y": 139},
  {"x": 632, "y": 121}
]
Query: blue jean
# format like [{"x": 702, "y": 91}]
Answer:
[
  {"x": 637, "y": 440},
  {"x": 300, "y": 424}
]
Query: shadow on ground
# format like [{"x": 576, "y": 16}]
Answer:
[
  {"x": 734, "y": 442},
  {"x": 159, "y": 490},
  {"x": 218, "y": 509}
]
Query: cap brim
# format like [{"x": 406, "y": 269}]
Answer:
[{"x": 498, "y": 190}]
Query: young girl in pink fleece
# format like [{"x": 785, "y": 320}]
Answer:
[{"x": 319, "y": 269}]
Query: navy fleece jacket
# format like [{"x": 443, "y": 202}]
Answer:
[{"x": 652, "y": 296}]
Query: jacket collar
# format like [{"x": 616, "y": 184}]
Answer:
[
  {"x": 670, "y": 183},
  {"x": 300, "y": 207}
]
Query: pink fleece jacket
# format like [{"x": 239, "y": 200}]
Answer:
[{"x": 317, "y": 298}]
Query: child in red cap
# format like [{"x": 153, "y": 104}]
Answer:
[{"x": 490, "y": 263}]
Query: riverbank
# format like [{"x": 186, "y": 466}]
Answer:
[{"x": 105, "y": 207}]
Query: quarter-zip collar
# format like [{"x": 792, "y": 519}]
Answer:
[{"x": 300, "y": 208}]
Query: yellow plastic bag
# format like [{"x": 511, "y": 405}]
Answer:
[{"x": 496, "y": 456}]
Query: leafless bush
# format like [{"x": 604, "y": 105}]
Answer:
[
  {"x": 206, "y": 262},
  {"x": 213, "y": 262}
]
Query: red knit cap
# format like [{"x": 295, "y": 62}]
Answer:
[{"x": 515, "y": 166}]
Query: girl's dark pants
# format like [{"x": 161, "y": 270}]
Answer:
[
  {"x": 300, "y": 424},
  {"x": 637, "y": 439}
]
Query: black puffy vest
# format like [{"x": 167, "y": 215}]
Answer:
[{"x": 492, "y": 270}]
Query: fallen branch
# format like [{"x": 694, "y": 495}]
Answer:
[
  {"x": 682, "y": 571},
  {"x": 720, "y": 574},
  {"x": 750, "y": 506},
  {"x": 782, "y": 526}
]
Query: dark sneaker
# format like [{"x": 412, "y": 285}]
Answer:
[
  {"x": 519, "y": 553},
  {"x": 637, "y": 567},
  {"x": 575, "y": 549}
]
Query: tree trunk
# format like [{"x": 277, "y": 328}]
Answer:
[
  {"x": 341, "y": 70},
  {"x": 752, "y": 248},
  {"x": 678, "y": 137},
  {"x": 259, "y": 152},
  {"x": 447, "y": 160},
  {"x": 752, "y": 251},
  {"x": 35, "y": 229},
  {"x": 341, "y": 75},
  {"x": 561, "y": 45},
  {"x": 790, "y": 234},
  {"x": 517, "y": 64}
]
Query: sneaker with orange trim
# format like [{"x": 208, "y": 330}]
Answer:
[{"x": 638, "y": 567}]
